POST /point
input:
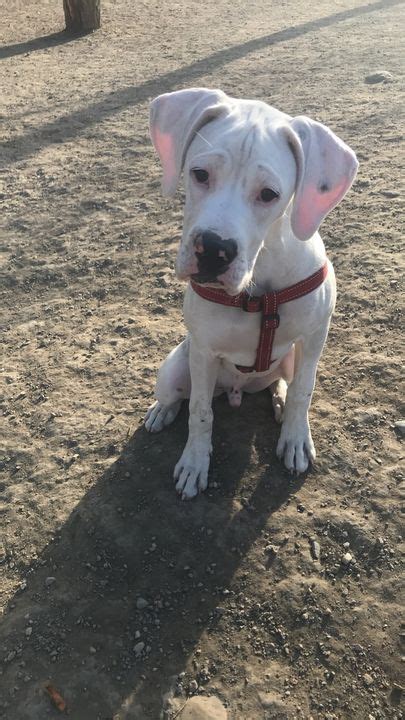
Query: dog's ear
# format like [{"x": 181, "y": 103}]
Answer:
[
  {"x": 174, "y": 119},
  {"x": 326, "y": 168}
]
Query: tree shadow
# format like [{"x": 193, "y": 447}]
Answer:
[
  {"x": 130, "y": 537},
  {"x": 41, "y": 43},
  {"x": 72, "y": 124}
]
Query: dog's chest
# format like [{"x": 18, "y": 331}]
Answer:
[{"x": 233, "y": 334}]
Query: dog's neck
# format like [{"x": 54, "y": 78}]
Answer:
[{"x": 284, "y": 260}]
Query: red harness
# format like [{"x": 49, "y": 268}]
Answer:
[{"x": 267, "y": 304}]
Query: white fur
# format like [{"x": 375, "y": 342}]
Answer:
[{"x": 246, "y": 146}]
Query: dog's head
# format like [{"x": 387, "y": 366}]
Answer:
[{"x": 245, "y": 164}]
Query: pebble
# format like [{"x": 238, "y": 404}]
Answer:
[
  {"x": 28, "y": 632},
  {"x": 203, "y": 708},
  {"x": 141, "y": 603},
  {"x": 367, "y": 416},
  {"x": 315, "y": 549},
  {"x": 92, "y": 650},
  {"x": 193, "y": 687},
  {"x": 138, "y": 648},
  {"x": 400, "y": 427},
  {"x": 378, "y": 77},
  {"x": 368, "y": 680},
  {"x": 347, "y": 559}
]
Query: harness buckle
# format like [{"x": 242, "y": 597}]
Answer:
[{"x": 273, "y": 318}]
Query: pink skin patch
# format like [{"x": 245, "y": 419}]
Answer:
[
  {"x": 166, "y": 150},
  {"x": 312, "y": 206}
]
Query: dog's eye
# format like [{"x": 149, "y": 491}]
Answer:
[
  {"x": 200, "y": 175},
  {"x": 267, "y": 195}
]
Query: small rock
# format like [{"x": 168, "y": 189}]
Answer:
[
  {"x": 315, "y": 549},
  {"x": 141, "y": 603},
  {"x": 165, "y": 281},
  {"x": 50, "y": 581},
  {"x": 204, "y": 708},
  {"x": 92, "y": 650},
  {"x": 368, "y": 680},
  {"x": 367, "y": 416},
  {"x": 138, "y": 648},
  {"x": 347, "y": 559},
  {"x": 378, "y": 77},
  {"x": 400, "y": 427},
  {"x": 28, "y": 632},
  {"x": 220, "y": 610},
  {"x": 193, "y": 687}
]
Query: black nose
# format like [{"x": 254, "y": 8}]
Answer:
[{"x": 214, "y": 254}]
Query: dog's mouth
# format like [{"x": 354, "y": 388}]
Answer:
[
  {"x": 214, "y": 282},
  {"x": 204, "y": 278}
]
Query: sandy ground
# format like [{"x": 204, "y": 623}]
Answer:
[{"x": 98, "y": 553}]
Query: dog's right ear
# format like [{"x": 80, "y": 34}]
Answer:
[{"x": 174, "y": 119}]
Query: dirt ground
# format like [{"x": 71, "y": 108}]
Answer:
[{"x": 112, "y": 589}]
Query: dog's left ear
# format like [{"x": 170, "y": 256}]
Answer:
[
  {"x": 326, "y": 168},
  {"x": 174, "y": 119}
]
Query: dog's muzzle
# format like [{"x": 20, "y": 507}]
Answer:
[{"x": 214, "y": 255}]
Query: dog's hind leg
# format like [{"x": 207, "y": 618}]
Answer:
[
  {"x": 278, "y": 391},
  {"x": 173, "y": 385}
]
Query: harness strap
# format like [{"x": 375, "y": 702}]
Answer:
[{"x": 267, "y": 304}]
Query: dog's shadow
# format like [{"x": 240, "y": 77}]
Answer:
[{"x": 131, "y": 541}]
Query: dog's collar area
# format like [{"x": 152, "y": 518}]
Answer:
[{"x": 267, "y": 304}]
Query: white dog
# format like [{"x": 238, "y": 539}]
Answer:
[{"x": 261, "y": 292}]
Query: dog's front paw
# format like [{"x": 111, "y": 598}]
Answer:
[
  {"x": 295, "y": 446},
  {"x": 191, "y": 472}
]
